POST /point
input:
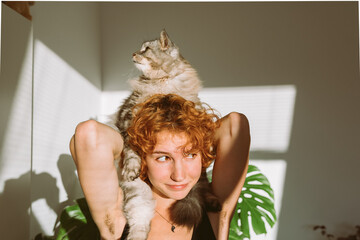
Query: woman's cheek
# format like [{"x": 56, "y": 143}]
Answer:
[
  {"x": 194, "y": 169},
  {"x": 158, "y": 172}
]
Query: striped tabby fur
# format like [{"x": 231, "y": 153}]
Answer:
[{"x": 164, "y": 71}]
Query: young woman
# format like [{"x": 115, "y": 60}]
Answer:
[{"x": 174, "y": 139}]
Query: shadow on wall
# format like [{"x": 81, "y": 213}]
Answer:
[
  {"x": 14, "y": 200},
  {"x": 15, "y": 195},
  {"x": 71, "y": 185},
  {"x": 69, "y": 180}
]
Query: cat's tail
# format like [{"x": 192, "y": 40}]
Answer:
[{"x": 188, "y": 211}]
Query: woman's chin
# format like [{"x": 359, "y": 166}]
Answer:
[{"x": 179, "y": 195}]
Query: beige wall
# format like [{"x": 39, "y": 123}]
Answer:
[
  {"x": 311, "y": 46},
  {"x": 254, "y": 51},
  {"x": 50, "y": 81},
  {"x": 72, "y": 31},
  {"x": 235, "y": 44},
  {"x": 67, "y": 83},
  {"x": 15, "y": 125}
]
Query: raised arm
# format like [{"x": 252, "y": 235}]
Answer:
[
  {"x": 230, "y": 168},
  {"x": 94, "y": 147}
]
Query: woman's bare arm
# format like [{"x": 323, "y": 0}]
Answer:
[
  {"x": 94, "y": 147},
  {"x": 230, "y": 168}
]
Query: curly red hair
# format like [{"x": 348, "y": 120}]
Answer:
[{"x": 175, "y": 114}]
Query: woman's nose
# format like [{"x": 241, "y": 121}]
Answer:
[{"x": 178, "y": 171}]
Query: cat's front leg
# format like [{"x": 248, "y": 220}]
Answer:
[
  {"x": 131, "y": 164},
  {"x": 139, "y": 208}
]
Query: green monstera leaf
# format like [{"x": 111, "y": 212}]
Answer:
[
  {"x": 257, "y": 202},
  {"x": 77, "y": 223}
]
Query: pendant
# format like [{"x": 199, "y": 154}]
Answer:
[{"x": 172, "y": 228}]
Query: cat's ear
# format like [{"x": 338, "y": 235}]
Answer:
[{"x": 164, "y": 40}]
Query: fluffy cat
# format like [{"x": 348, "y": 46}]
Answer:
[{"x": 164, "y": 71}]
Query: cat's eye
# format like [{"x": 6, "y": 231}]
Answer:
[{"x": 144, "y": 49}]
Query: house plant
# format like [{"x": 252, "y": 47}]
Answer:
[{"x": 256, "y": 202}]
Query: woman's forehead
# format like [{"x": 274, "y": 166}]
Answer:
[{"x": 171, "y": 140}]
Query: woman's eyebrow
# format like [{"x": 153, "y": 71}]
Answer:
[{"x": 161, "y": 152}]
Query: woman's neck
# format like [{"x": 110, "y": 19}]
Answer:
[
  {"x": 161, "y": 225},
  {"x": 162, "y": 203}
]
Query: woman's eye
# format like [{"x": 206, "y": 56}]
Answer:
[
  {"x": 162, "y": 158},
  {"x": 190, "y": 155}
]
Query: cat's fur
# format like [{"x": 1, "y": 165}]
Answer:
[{"x": 164, "y": 71}]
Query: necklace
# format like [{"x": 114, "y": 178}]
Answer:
[{"x": 172, "y": 225}]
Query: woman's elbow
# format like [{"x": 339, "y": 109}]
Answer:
[
  {"x": 239, "y": 125},
  {"x": 85, "y": 137},
  {"x": 86, "y": 133},
  {"x": 72, "y": 149}
]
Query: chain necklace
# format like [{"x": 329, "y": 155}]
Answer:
[{"x": 172, "y": 225}]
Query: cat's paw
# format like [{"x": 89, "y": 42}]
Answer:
[
  {"x": 131, "y": 169},
  {"x": 137, "y": 235},
  {"x": 131, "y": 165},
  {"x": 130, "y": 175}
]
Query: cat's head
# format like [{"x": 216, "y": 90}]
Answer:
[{"x": 158, "y": 58}]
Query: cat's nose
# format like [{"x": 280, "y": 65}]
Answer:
[{"x": 134, "y": 54}]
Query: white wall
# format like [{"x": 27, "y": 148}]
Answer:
[
  {"x": 292, "y": 68},
  {"x": 71, "y": 30},
  {"x": 243, "y": 48},
  {"x": 270, "y": 111},
  {"x": 67, "y": 89},
  {"x": 15, "y": 125},
  {"x": 50, "y": 81}
]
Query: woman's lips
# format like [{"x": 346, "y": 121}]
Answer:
[{"x": 177, "y": 187}]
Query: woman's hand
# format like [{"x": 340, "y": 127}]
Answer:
[{"x": 94, "y": 148}]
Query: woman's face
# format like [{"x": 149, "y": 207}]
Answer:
[{"x": 173, "y": 169}]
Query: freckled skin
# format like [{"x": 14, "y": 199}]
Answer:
[
  {"x": 97, "y": 145},
  {"x": 100, "y": 184},
  {"x": 172, "y": 174}
]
